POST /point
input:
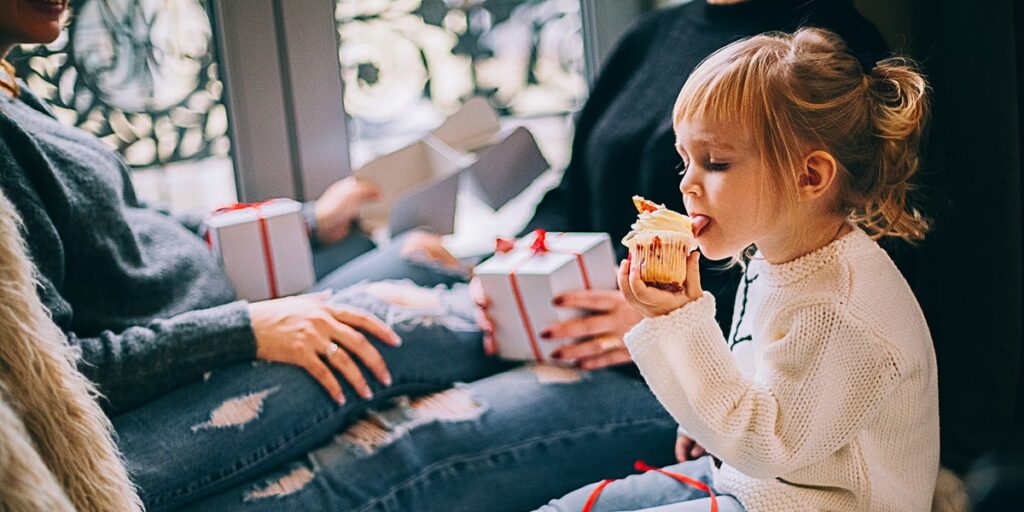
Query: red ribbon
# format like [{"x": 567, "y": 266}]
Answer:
[
  {"x": 264, "y": 238},
  {"x": 643, "y": 467},
  {"x": 539, "y": 246}
]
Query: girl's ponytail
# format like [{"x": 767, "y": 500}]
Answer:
[{"x": 899, "y": 110}]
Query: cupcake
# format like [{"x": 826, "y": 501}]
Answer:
[{"x": 659, "y": 242}]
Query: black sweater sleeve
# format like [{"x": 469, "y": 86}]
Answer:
[{"x": 567, "y": 206}]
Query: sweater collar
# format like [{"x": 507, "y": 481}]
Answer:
[{"x": 790, "y": 272}]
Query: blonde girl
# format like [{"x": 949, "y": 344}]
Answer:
[{"x": 824, "y": 395}]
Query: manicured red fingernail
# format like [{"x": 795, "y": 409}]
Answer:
[
  {"x": 558, "y": 301},
  {"x": 556, "y": 355},
  {"x": 546, "y": 334}
]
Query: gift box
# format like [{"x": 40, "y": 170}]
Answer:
[
  {"x": 523, "y": 278},
  {"x": 419, "y": 182},
  {"x": 263, "y": 248}
]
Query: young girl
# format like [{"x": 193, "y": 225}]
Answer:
[{"x": 824, "y": 396}]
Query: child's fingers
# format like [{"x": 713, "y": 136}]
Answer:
[
  {"x": 623, "y": 278},
  {"x": 693, "y": 289},
  {"x": 640, "y": 290}
]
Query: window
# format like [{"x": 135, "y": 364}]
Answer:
[
  {"x": 407, "y": 63},
  {"x": 141, "y": 75}
]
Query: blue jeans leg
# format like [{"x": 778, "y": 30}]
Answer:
[
  {"x": 246, "y": 419},
  {"x": 388, "y": 263},
  {"x": 650, "y": 492},
  {"x": 508, "y": 442}
]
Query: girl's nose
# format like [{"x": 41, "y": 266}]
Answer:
[{"x": 689, "y": 185}]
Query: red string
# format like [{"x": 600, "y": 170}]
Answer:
[
  {"x": 597, "y": 492},
  {"x": 522, "y": 314},
  {"x": 643, "y": 466}
]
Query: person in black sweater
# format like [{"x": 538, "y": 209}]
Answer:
[{"x": 623, "y": 145}]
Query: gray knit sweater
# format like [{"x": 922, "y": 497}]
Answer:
[{"x": 135, "y": 289}]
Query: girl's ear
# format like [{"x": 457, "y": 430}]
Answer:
[{"x": 816, "y": 176}]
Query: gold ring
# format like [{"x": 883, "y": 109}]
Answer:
[
  {"x": 609, "y": 344},
  {"x": 331, "y": 350}
]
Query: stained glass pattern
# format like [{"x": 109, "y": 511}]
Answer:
[{"x": 139, "y": 74}]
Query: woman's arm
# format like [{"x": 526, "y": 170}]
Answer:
[{"x": 141, "y": 362}]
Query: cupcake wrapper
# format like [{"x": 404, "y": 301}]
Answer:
[{"x": 662, "y": 262}]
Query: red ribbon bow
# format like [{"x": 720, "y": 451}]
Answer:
[{"x": 539, "y": 245}]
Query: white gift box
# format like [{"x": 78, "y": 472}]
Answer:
[
  {"x": 263, "y": 248},
  {"x": 419, "y": 182},
  {"x": 521, "y": 284}
]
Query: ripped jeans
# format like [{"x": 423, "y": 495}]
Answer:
[{"x": 260, "y": 436}]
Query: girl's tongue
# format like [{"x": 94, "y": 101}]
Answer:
[{"x": 699, "y": 223}]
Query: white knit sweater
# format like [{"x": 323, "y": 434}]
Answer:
[{"x": 826, "y": 395}]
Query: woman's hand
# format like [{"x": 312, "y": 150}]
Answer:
[
  {"x": 339, "y": 205},
  {"x": 483, "y": 320},
  {"x": 651, "y": 301},
  {"x": 423, "y": 246},
  {"x": 602, "y": 330},
  {"x": 304, "y": 330},
  {"x": 688, "y": 449},
  {"x": 606, "y": 319}
]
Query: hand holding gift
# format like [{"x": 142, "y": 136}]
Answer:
[
  {"x": 517, "y": 288},
  {"x": 338, "y": 207}
]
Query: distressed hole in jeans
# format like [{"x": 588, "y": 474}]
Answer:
[
  {"x": 289, "y": 483},
  {"x": 404, "y": 293},
  {"x": 237, "y": 412},
  {"x": 553, "y": 374},
  {"x": 383, "y": 427}
]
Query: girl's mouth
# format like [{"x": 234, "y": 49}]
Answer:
[{"x": 699, "y": 223}]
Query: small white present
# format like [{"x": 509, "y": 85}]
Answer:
[
  {"x": 263, "y": 248},
  {"x": 522, "y": 282}
]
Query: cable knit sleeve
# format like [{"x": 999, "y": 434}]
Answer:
[{"x": 819, "y": 380}]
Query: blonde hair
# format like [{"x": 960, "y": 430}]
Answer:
[{"x": 805, "y": 91}]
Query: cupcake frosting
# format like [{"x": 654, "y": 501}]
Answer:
[{"x": 661, "y": 220}]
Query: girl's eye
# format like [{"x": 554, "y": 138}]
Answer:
[
  {"x": 716, "y": 166},
  {"x": 681, "y": 168}
]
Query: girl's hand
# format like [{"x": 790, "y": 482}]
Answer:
[
  {"x": 339, "y": 205},
  {"x": 688, "y": 449},
  {"x": 607, "y": 317},
  {"x": 650, "y": 301},
  {"x": 302, "y": 330}
]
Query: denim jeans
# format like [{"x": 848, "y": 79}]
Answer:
[
  {"x": 248, "y": 418},
  {"x": 508, "y": 442},
  {"x": 388, "y": 263},
  {"x": 650, "y": 492},
  {"x": 257, "y": 436}
]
